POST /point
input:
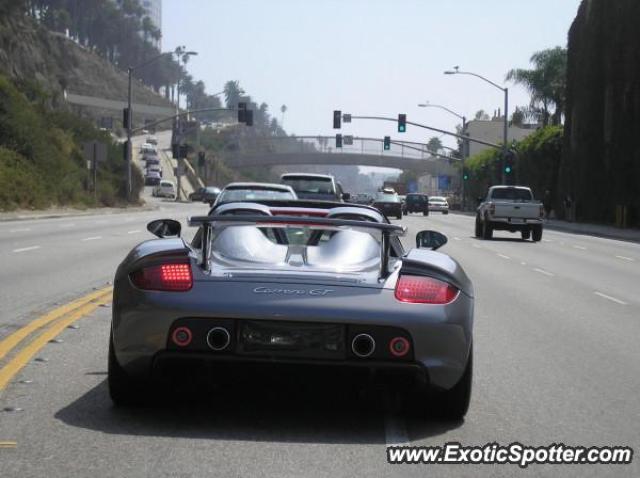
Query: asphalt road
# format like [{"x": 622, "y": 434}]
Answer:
[{"x": 556, "y": 361}]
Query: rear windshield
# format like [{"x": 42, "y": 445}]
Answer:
[
  {"x": 416, "y": 198},
  {"x": 511, "y": 194},
  {"x": 310, "y": 185},
  {"x": 384, "y": 197},
  {"x": 233, "y": 195}
]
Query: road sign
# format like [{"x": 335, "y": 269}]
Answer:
[
  {"x": 348, "y": 140},
  {"x": 346, "y": 118}
]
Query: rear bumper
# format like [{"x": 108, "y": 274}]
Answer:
[{"x": 513, "y": 224}]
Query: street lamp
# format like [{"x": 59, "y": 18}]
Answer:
[
  {"x": 129, "y": 113},
  {"x": 184, "y": 57},
  {"x": 465, "y": 145},
  {"x": 505, "y": 146}
]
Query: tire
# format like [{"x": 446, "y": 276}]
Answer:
[
  {"x": 487, "y": 230},
  {"x": 536, "y": 233},
  {"x": 445, "y": 212},
  {"x": 399, "y": 216},
  {"x": 425, "y": 213},
  {"x": 478, "y": 231},
  {"x": 453, "y": 404},
  {"x": 124, "y": 391},
  {"x": 526, "y": 234}
]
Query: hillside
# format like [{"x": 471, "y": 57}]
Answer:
[{"x": 29, "y": 51}]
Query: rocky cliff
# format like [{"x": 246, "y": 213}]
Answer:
[{"x": 601, "y": 163}]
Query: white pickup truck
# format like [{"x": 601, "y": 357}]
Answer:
[{"x": 509, "y": 208}]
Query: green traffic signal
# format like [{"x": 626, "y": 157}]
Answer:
[
  {"x": 387, "y": 143},
  {"x": 402, "y": 123},
  {"x": 507, "y": 169}
]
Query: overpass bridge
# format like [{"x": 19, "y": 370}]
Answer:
[{"x": 315, "y": 150}]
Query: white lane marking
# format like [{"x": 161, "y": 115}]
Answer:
[
  {"x": 523, "y": 263},
  {"x": 95, "y": 238},
  {"x": 24, "y": 229},
  {"x": 395, "y": 432},
  {"x": 547, "y": 273},
  {"x": 477, "y": 246},
  {"x": 547, "y": 240},
  {"x": 102, "y": 222},
  {"x": 457, "y": 239},
  {"x": 503, "y": 256},
  {"x": 25, "y": 249},
  {"x": 134, "y": 232},
  {"x": 625, "y": 258},
  {"x": 69, "y": 224},
  {"x": 608, "y": 297},
  {"x": 582, "y": 248}
]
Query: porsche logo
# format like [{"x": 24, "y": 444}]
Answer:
[{"x": 313, "y": 292}]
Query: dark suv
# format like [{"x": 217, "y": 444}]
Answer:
[{"x": 416, "y": 203}]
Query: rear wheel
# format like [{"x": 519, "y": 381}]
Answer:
[
  {"x": 445, "y": 212},
  {"x": 425, "y": 213},
  {"x": 454, "y": 403},
  {"x": 536, "y": 232},
  {"x": 526, "y": 234},
  {"x": 478, "y": 231},
  {"x": 122, "y": 389},
  {"x": 487, "y": 230}
]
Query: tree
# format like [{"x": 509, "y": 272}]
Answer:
[
  {"x": 434, "y": 145},
  {"x": 283, "y": 110},
  {"x": 546, "y": 83},
  {"x": 232, "y": 93},
  {"x": 482, "y": 116}
]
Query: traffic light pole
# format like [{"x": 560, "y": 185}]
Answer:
[{"x": 129, "y": 135}]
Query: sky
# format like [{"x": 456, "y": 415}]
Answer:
[{"x": 366, "y": 57}]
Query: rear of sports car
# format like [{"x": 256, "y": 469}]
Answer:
[{"x": 261, "y": 302}]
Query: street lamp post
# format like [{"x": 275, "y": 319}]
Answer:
[
  {"x": 465, "y": 144},
  {"x": 184, "y": 57},
  {"x": 505, "y": 145},
  {"x": 129, "y": 114}
]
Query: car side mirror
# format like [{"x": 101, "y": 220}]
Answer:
[
  {"x": 430, "y": 240},
  {"x": 164, "y": 228},
  {"x": 346, "y": 196}
]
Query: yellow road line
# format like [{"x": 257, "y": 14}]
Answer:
[
  {"x": 8, "y": 444},
  {"x": 19, "y": 335},
  {"x": 22, "y": 358}
]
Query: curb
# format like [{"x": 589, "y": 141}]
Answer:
[{"x": 90, "y": 212}]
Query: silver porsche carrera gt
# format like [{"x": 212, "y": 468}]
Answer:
[{"x": 294, "y": 283}]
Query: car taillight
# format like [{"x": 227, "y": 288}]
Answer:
[
  {"x": 541, "y": 210},
  {"x": 492, "y": 208},
  {"x": 174, "y": 277},
  {"x": 424, "y": 290}
]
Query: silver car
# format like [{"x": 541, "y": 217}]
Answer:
[{"x": 299, "y": 283}]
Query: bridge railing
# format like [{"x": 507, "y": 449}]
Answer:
[{"x": 327, "y": 145}]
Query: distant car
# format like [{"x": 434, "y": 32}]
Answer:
[
  {"x": 439, "y": 204},
  {"x": 155, "y": 168},
  {"x": 239, "y": 192},
  {"x": 199, "y": 194},
  {"x": 210, "y": 195},
  {"x": 152, "y": 178},
  {"x": 417, "y": 203},
  {"x": 152, "y": 140},
  {"x": 361, "y": 198},
  {"x": 388, "y": 204},
  {"x": 151, "y": 160},
  {"x": 147, "y": 148},
  {"x": 315, "y": 186},
  {"x": 165, "y": 189}
]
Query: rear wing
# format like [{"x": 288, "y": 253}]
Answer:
[{"x": 207, "y": 222}]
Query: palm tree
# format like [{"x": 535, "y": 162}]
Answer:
[
  {"x": 546, "y": 83},
  {"x": 283, "y": 110},
  {"x": 232, "y": 93},
  {"x": 434, "y": 145}
]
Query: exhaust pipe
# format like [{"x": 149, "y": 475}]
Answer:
[
  {"x": 218, "y": 339},
  {"x": 363, "y": 345}
]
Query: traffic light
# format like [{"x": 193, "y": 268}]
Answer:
[
  {"x": 175, "y": 150},
  {"x": 184, "y": 151},
  {"x": 387, "y": 143},
  {"x": 125, "y": 118},
  {"x": 337, "y": 119},
  {"x": 242, "y": 110},
  {"x": 509, "y": 161},
  {"x": 402, "y": 123},
  {"x": 465, "y": 174},
  {"x": 338, "y": 141},
  {"x": 201, "y": 159},
  {"x": 248, "y": 119}
]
